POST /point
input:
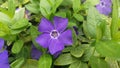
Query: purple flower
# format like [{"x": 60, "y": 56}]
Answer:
[
  {"x": 3, "y": 56},
  {"x": 54, "y": 37},
  {"x": 35, "y": 53},
  {"x": 104, "y": 7}
]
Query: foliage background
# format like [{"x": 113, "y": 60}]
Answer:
[{"x": 96, "y": 45}]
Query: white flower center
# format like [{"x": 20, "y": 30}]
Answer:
[{"x": 54, "y": 34}]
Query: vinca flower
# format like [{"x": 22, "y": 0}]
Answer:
[
  {"x": 54, "y": 36},
  {"x": 104, "y": 7},
  {"x": 3, "y": 56}
]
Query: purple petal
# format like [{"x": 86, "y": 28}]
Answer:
[
  {"x": 4, "y": 57},
  {"x": 43, "y": 40},
  {"x": 107, "y": 10},
  {"x": 103, "y": 10},
  {"x": 55, "y": 46},
  {"x": 1, "y": 43},
  {"x": 35, "y": 53},
  {"x": 5, "y": 65},
  {"x": 45, "y": 25},
  {"x": 66, "y": 37},
  {"x": 60, "y": 23}
]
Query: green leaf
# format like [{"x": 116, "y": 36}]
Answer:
[
  {"x": 61, "y": 14},
  {"x": 4, "y": 18},
  {"x": 93, "y": 19},
  {"x": 112, "y": 62},
  {"x": 20, "y": 24},
  {"x": 17, "y": 46},
  {"x": 11, "y": 7},
  {"x": 78, "y": 64},
  {"x": 74, "y": 35},
  {"x": 114, "y": 24},
  {"x": 89, "y": 3},
  {"x": 78, "y": 17},
  {"x": 87, "y": 53},
  {"x": 33, "y": 8},
  {"x": 19, "y": 14},
  {"x": 17, "y": 63},
  {"x": 9, "y": 37},
  {"x": 98, "y": 63},
  {"x": 4, "y": 29},
  {"x": 56, "y": 5},
  {"x": 30, "y": 63},
  {"x": 45, "y": 61},
  {"x": 68, "y": 59},
  {"x": 67, "y": 49},
  {"x": 76, "y": 5},
  {"x": 47, "y": 7},
  {"x": 77, "y": 52},
  {"x": 110, "y": 48},
  {"x": 71, "y": 24}
]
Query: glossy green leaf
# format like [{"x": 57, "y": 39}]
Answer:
[
  {"x": 98, "y": 63},
  {"x": 17, "y": 46},
  {"x": 114, "y": 24},
  {"x": 45, "y": 61},
  {"x": 4, "y": 18},
  {"x": 11, "y": 7},
  {"x": 87, "y": 53},
  {"x": 19, "y": 14},
  {"x": 112, "y": 62},
  {"x": 77, "y": 51},
  {"x": 47, "y": 7},
  {"x": 93, "y": 19},
  {"x": 20, "y": 24},
  {"x": 61, "y": 14},
  {"x": 78, "y": 17},
  {"x": 4, "y": 29},
  {"x": 33, "y": 8},
  {"x": 68, "y": 59},
  {"x": 17, "y": 63},
  {"x": 76, "y": 5},
  {"x": 110, "y": 48},
  {"x": 56, "y": 5},
  {"x": 30, "y": 63},
  {"x": 78, "y": 64},
  {"x": 89, "y": 3}
]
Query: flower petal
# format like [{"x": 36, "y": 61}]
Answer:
[
  {"x": 1, "y": 43},
  {"x": 5, "y": 65},
  {"x": 66, "y": 37},
  {"x": 4, "y": 57},
  {"x": 60, "y": 23},
  {"x": 104, "y": 10},
  {"x": 45, "y": 25},
  {"x": 55, "y": 46},
  {"x": 43, "y": 39}
]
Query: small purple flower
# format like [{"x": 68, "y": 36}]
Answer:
[
  {"x": 3, "y": 56},
  {"x": 54, "y": 37},
  {"x": 104, "y": 7},
  {"x": 35, "y": 53}
]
